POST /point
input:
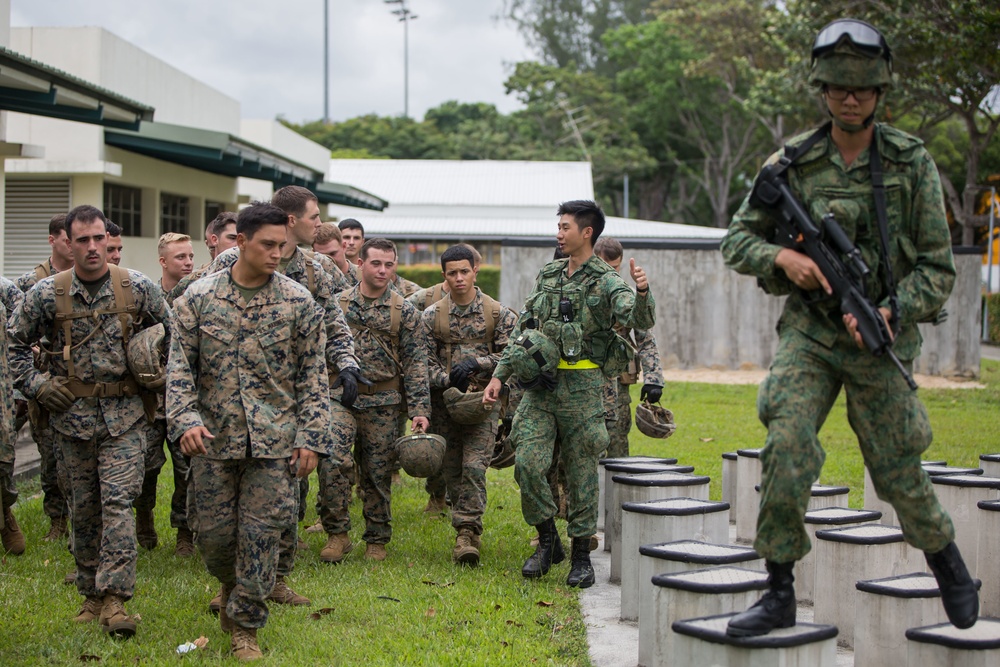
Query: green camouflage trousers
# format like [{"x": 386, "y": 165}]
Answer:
[
  {"x": 576, "y": 411},
  {"x": 621, "y": 424},
  {"x": 892, "y": 429},
  {"x": 238, "y": 509},
  {"x": 378, "y": 429},
  {"x": 336, "y": 472},
  {"x": 55, "y": 496},
  {"x": 104, "y": 475},
  {"x": 155, "y": 458}
]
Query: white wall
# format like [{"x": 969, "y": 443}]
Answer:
[{"x": 272, "y": 134}]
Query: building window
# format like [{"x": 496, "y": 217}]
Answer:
[
  {"x": 174, "y": 214},
  {"x": 212, "y": 210},
  {"x": 123, "y": 206}
]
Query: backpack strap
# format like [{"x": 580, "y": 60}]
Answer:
[
  {"x": 396, "y": 302},
  {"x": 442, "y": 327},
  {"x": 42, "y": 271},
  {"x": 64, "y": 308},
  {"x": 125, "y": 306},
  {"x": 310, "y": 271}
]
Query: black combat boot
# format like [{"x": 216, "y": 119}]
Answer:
[
  {"x": 776, "y": 609},
  {"x": 581, "y": 572},
  {"x": 958, "y": 590},
  {"x": 548, "y": 551}
]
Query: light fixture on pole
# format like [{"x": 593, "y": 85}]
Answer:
[{"x": 405, "y": 15}]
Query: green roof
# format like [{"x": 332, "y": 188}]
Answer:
[{"x": 31, "y": 87}]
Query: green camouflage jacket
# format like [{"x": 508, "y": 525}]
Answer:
[
  {"x": 253, "y": 374},
  {"x": 100, "y": 359},
  {"x": 919, "y": 240},
  {"x": 465, "y": 325}
]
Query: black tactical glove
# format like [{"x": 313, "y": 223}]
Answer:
[
  {"x": 651, "y": 393},
  {"x": 462, "y": 372},
  {"x": 349, "y": 378},
  {"x": 54, "y": 395}
]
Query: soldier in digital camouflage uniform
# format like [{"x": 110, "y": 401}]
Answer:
[
  {"x": 220, "y": 235},
  {"x": 329, "y": 242},
  {"x": 342, "y": 364},
  {"x": 10, "y": 532},
  {"x": 575, "y": 303},
  {"x": 95, "y": 411},
  {"x": 819, "y": 349},
  {"x": 647, "y": 359},
  {"x": 248, "y": 397},
  {"x": 390, "y": 365},
  {"x": 54, "y": 494},
  {"x": 465, "y": 360}
]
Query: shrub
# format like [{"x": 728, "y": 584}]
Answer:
[{"x": 426, "y": 275}]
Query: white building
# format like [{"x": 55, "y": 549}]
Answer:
[{"x": 88, "y": 146}]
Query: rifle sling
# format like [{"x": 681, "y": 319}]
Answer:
[{"x": 878, "y": 187}]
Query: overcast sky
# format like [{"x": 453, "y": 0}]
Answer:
[{"x": 269, "y": 54}]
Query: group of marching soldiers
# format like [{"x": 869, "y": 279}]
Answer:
[{"x": 297, "y": 348}]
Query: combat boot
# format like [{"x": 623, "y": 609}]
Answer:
[
  {"x": 436, "y": 505},
  {"x": 90, "y": 611},
  {"x": 185, "y": 543},
  {"x": 466, "y": 549},
  {"x": 548, "y": 551},
  {"x": 375, "y": 552},
  {"x": 776, "y": 609},
  {"x": 145, "y": 530},
  {"x": 316, "y": 527},
  {"x": 10, "y": 535},
  {"x": 244, "y": 644},
  {"x": 70, "y": 578},
  {"x": 57, "y": 529},
  {"x": 337, "y": 547},
  {"x": 225, "y": 622},
  {"x": 282, "y": 594},
  {"x": 215, "y": 604},
  {"x": 581, "y": 573},
  {"x": 958, "y": 590},
  {"x": 115, "y": 620}
]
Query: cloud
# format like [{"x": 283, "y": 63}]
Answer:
[{"x": 269, "y": 55}]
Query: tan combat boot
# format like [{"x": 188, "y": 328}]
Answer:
[
  {"x": 466, "y": 549},
  {"x": 436, "y": 505},
  {"x": 185, "y": 543},
  {"x": 215, "y": 604},
  {"x": 244, "y": 644},
  {"x": 114, "y": 619},
  {"x": 90, "y": 611},
  {"x": 316, "y": 527},
  {"x": 145, "y": 529},
  {"x": 70, "y": 578},
  {"x": 282, "y": 594},
  {"x": 337, "y": 546},
  {"x": 375, "y": 552},
  {"x": 10, "y": 535},
  {"x": 57, "y": 529},
  {"x": 225, "y": 622}
]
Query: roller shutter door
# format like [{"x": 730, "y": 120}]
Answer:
[{"x": 30, "y": 205}]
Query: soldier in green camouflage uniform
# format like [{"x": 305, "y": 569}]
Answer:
[
  {"x": 465, "y": 360},
  {"x": 340, "y": 359},
  {"x": 10, "y": 532},
  {"x": 575, "y": 303},
  {"x": 54, "y": 493},
  {"x": 248, "y": 397},
  {"x": 391, "y": 363},
  {"x": 95, "y": 411},
  {"x": 647, "y": 359},
  {"x": 818, "y": 349}
]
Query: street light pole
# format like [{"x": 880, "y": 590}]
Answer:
[
  {"x": 405, "y": 15},
  {"x": 326, "y": 62}
]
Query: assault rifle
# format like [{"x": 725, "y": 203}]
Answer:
[{"x": 796, "y": 230}]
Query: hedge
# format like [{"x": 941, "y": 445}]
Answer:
[
  {"x": 994, "y": 324},
  {"x": 426, "y": 275}
]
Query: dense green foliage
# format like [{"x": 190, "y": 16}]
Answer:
[{"x": 426, "y": 275}]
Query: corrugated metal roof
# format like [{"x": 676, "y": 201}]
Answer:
[
  {"x": 512, "y": 228},
  {"x": 468, "y": 182}
]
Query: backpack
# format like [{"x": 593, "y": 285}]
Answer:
[
  {"x": 442, "y": 328},
  {"x": 395, "y": 321}
]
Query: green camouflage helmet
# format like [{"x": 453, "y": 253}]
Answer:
[
  {"x": 468, "y": 408},
  {"x": 532, "y": 355},
  {"x": 420, "y": 454},
  {"x": 851, "y": 54}
]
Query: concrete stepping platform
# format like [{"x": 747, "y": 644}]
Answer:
[
  {"x": 886, "y": 609},
  {"x": 944, "y": 644}
]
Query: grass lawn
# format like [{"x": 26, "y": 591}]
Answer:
[{"x": 417, "y": 608}]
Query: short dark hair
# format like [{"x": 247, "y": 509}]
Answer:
[
  {"x": 83, "y": 213},
  {"x": 377, "y": 244},
  {"x": 351, "y": 223},
  {"x": 219, "y": 223},
  {"x": 258, "y": 214},
  {"x": 292, "y": 199},
  {"x": 112, "y": 229},
  {"x": 609, "y": 248},
  {"x": 457, "y": 253},
  {"x": 586, "y": 213},
  {"x": 57, "y": 224}
]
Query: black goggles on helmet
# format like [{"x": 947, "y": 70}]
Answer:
[{"x": 862, "y": 35}]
